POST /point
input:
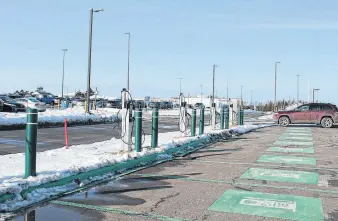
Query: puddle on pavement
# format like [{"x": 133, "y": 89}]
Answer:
[
  {"x": 50, "y": 213},
  {"x": 112, "y": 193}
]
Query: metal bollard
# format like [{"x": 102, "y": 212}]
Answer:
[
  {"x": 193, "y": 123},
  {"x": 201, "y": 121},
  {"x": 222, "y": 119},
  {"x": 138, "y": 130},
  {"x": 31, "y": 141},
  {"x": 227, "y": 119},
  {"x": 154, "y": 129}
]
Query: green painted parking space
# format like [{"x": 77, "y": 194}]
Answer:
[
  {"x": 298, "y": 138},
  {"x": 293, "y": 143},
  {"x": 269, "y": 205},
  {"x": 291, "y": 150},
  {"x": 281, "y": 175},
  {"x": 287, "y": 159}
]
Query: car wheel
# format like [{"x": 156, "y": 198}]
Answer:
[
  {"x": 284, "y": 121},
  {"x": 326, "y": 122}
]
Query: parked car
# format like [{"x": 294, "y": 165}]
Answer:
[
  {"x": 6, "y": 107},
  {"x": 140, "y": 104},
  {"x": 325, "y": 114},
  {"x": 199, "y": 105},
  {"x": 115, "y": 103},
  {"x": 32, "y": 102},
  {"x": 8, "y": 102},
  {"x": 154, "y": 104},
  {"x": 46, "y": 98}
]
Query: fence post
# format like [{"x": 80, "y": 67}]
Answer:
[
  {"x": 193, "y": 123},
  {"x": 154, "y": 128},
  {"x": 201, "y": 121},
  {"x": 227, "y": 119},
  {"x": 31, "y": 141},
  {"x": 138, "y": 130},
  {"x": 222, "y": 119}
]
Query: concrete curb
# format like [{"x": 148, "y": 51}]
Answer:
[{"x": 123, "y": 167}]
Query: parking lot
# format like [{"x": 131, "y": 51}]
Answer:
[{"x": 273, "y": 173}]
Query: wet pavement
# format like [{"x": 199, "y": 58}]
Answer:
[{"x": 195, "y": 186}]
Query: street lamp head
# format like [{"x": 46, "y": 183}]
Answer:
[
  {"x": 277, "y": 62},
  {"x": 316, "y": 89},
  {"x": 65, "y": 49},
  {"x": 127, "y": 33},
  {"x": 99, "y": 10}
]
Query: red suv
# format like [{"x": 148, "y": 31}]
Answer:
[{"x": 314, "y": 113}]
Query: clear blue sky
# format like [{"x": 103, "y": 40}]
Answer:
[{"x": 172, "y": 39}]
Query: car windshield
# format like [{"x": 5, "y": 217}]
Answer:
[
  {"x": 5, "y": 98},
  {"x": 32, "y": 99}
]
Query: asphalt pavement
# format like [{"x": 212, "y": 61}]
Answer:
[
  {"x": 273, "y": 173},
  {"x": 51, "y": 138}
]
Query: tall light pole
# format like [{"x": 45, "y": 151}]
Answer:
[
  {"x": 313, "y": 94},
  {"x": 128, "y": 33},
  {"x": 201, "y": 93},
  {"x": 297, "y": 89},
  {"x": 63, "y": 69},
  {"x": 241, "y": 97},
  {"x": 213, "y": 82},
  {"x": 251, "y": 97},
  {"x": 91, "y": 12},
  {"x": 180, "y": 85},
  {"x": 275, "y": 100},
  {"x": 227, "y": 90}
]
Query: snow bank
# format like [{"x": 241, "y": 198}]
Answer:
[
  {"x": 57, "y": 116},
  {"x": 60, "y": 163}
]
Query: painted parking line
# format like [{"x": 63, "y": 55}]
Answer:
[
  {"x": 281, "y": 175},
  {"x": 293, "y": 143},
  {"x": 299, "y": 129},
  {"x": 297, "y": 138},
  {"x": 287, "y": 159},
  {"x": 269, "y": 205},
  {"x": 291, "y": 150},
  {"x": 297, "y": 134},
  {"x": 14, "y": 142}
]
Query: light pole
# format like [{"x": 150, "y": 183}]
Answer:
[
  {"x": 297, "y": 89},
  {"x": 201, "y": 93},
  {"x": 313, "y": 94},
  {"x": 91, "y": 12},
  {"x": 275, "y": 100},
  {"x": 227, "y": 90},
  {"x": 180, "y": 85},
  {"x": 63, "y": 69},
  {"x": 213, "y": 83},
  {"x": 241, "y": 97},
  {"x": 251, "y": 97},
  {"x": 128, "y": 33}
]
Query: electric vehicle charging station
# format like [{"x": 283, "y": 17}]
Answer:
[
  {"x": 234, "y": 108},
  {"x": 127, "y": 119},
  {"x": 183, "y": 114},
  {"x": 213, "y": 115}
]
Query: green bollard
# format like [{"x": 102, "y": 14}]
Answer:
[
  {"x": 31, "y": 141},
  {"x": 138, "y": 130},
  {"x": 202, "y": 121},
  {"x": 222, "y": 119},
  {"x": 239, "y": 117},
  {"x": 227, "y": 119},
  {"x": 154, "y": 129},
  {"x": 242, "y": 115},
  {"x": 193, "y": 123}
]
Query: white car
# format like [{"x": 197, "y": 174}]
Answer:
[{"x": 32, "y": 102}]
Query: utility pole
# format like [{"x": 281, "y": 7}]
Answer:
[
  {"x": 201, "y": 93},
  {"x": 227, "y": 90},
  {"x": 213, "y": 83},
  {"x": 251, "y": 97},
  {"x": 241, "y": 97},
  {"x": 275, "y": 100},
  {"x": 128, "y": 33}
]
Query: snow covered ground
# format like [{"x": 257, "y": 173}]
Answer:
[
  {"x": 75, "y": 115},
  {"x": 60, "y": 163}
]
